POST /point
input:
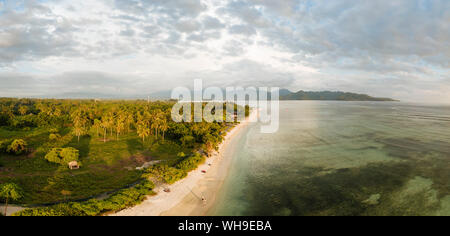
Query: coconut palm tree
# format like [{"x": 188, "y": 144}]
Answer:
[
  {"x": 143, "y": 131},
  {"x": 164, "y": 126},
  {"x": 120, "y": 124},
  {"x": 129, "y": 121},
  {"x": 104, "y": 124},
  {"x": 10, "y": 191},
  {"x": 97, "y": 126},
  {"x": 23, "y": 110}
]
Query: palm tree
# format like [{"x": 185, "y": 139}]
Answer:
[
  {"x": 120, "y": 124},
  {"x": 157, "y": 118},
  {"x": 143, "y": 131},
  {"x": 81, "y": 123},
  {"x": 104, "y": 124},
  {"x": 10, "y": 191},
  {"x": 79, "y": 128},
  {"x": 129, "y": 121},
  {"x": 164, "y": 127},
  {"x": 23, "y": 110},
  {"x": 155, "y": 126},
  {"x": 146, "y": 118},
  {"x": 110, "y": 121},
  {"x": 97, "y": 126}
]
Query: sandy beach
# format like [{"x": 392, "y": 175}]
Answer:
[
  {"x": 185, "y": 197},
  {"x": 11, "y": 209}
]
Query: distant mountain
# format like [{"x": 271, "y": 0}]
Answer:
[
  {"x": 328, "y": 96},
  {"x": 284, "y": 95},
  {"x": 162, "y": 95},
  {"x": 285, "y": 92}
]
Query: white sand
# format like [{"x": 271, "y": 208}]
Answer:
[
  {"x": 185, "y": 196},
  {"x": 11, "y": 209}
]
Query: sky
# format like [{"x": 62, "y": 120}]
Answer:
[{"x": 398, "y": 49}]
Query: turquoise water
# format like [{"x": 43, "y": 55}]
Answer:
[{"x": 343, "y": 158}]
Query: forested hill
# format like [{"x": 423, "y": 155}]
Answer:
[{"x": 328, "y": 96}]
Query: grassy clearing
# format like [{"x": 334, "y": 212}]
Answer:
[
  {"x": 107, "y": 166},
  {"x": 134, "y": 131}
]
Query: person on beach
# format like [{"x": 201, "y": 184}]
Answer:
[{"x": 204, "y": 200}]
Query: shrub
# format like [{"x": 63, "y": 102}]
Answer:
[
  {"x": 4, "y": 145},
  {"x": 54, "y": 137},
  {"x": 191, "y": 163},
  {"x": 168, "y": 174},
  {"x": 118, "y": 201},
  {"x": 47, "y": 147},
  {"x": 17, "y": 147},
  {"x": 62, "y": 156},
  {"x": 57, "y": 210},
  {"x": 187, "y": 141},
  {"x": 24, "y": 121},
  {"x": 53, "y": 130}
]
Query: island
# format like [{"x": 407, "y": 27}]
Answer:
[{"x": 329, "y": 96}]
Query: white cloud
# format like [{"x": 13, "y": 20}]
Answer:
[{"x": 396, "y": 49}]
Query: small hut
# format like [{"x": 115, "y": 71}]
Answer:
[{"x": 73, "y": 165}]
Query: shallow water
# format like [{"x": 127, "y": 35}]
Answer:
[{"x": 343, "y": 158}]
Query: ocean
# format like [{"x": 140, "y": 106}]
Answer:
[{"x": 342, "y": 158}]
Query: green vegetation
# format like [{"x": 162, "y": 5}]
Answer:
[
  {"x": 110, "y": 138},
  {"x": 165, "y": 173},
  {"x": 17, "y": 147},
  {"x": 191, "y": 163},
  {"x": 327, "y": 95},
  {"x": 10, "y": 191},
  {"x": 116, "y": 202},
  {"x": 54, "y": 137},
  {"x": 62, "y": 156}
]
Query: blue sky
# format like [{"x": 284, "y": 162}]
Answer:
[{"x": 396, "y": 49}]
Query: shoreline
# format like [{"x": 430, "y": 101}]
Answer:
[
  {"x": 185, "y": 196},
  {"x": 11, "y": 209}
]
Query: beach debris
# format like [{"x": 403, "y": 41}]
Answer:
[
  {"x": 204, "y": 171},
  {"x": 167, "y": 190}
]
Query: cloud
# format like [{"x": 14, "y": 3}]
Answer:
[
  {"x": 16, "y": 84},
  {"x": 389, "y": 48},
  {"x": 246, "y": 73},
  {"x": 93, "y": 84},
  {"x": 172, "y": 8},
  {"x": 234, "y": 48},
  {"x": 29, "y": 35},
  {"x": 245, "y": 30},
  {"x": 188, "y": 26}
]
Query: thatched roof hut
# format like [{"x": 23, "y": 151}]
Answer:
[{"x": 73, "y": 165}]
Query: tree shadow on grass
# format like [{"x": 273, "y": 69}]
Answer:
[
  {"x": 84, "y": 146},
  {"x": 135, "y": 146}
]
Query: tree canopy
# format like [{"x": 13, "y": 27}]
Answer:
[
  {"x": 10, "y": 191},
  {"x": 17, "y": 147},
  {"x": 63, "y": 156}
]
